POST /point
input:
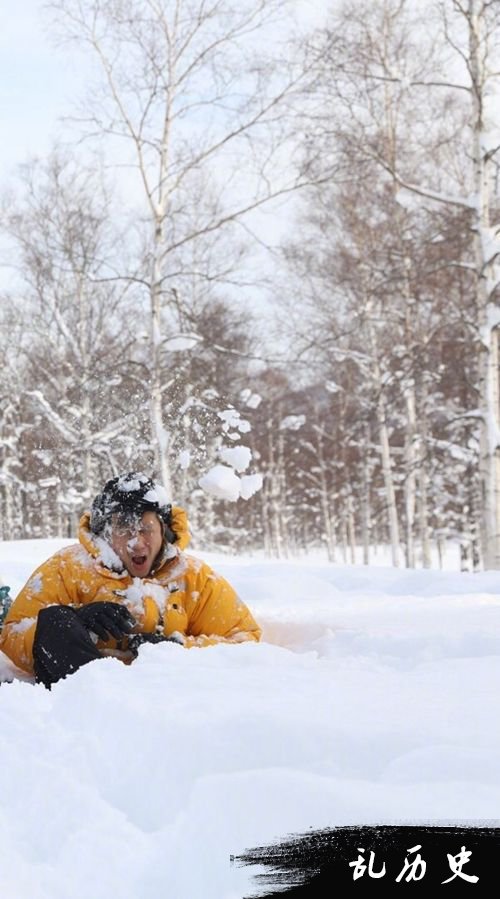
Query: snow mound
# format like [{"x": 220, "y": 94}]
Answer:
[{"x": 369, "y": 701}]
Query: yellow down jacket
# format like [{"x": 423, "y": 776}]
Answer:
[{"x": 184, "y": 597}]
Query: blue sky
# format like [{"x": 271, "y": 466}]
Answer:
[
  {"x": 37, "y": 83},
  {"x": 40, "y": 83}
]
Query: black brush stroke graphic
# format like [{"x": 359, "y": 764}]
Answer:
[{"x": 318, "y": 863}]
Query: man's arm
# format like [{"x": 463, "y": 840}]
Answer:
[
  {"x": 45, "y": 587},
  {"x": 219, "y": 615}
]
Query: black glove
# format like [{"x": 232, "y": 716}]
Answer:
[
  {"x": 137, "y": 640},
  {"x": 106, "y": 619}
]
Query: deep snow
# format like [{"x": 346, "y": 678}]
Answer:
[{"x": 372, "y": 699}]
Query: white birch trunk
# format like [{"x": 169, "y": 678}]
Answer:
[
  {"x": 423, "y": 515},
  {"x": 324, "y": 495},
  {"x": 275, "y": 522},
  {"x": 343, "y": 538},
  {"x": 59, "y": 515},
  {"x": 351, "y": 532},
  {"x": 385, "y": 452},
  {"x": 281, "y": 498},
  {"x": 8, "y": 508},
  {"x": 87, "y": 418},
  {"x": 366, "y": 508},
  {"x": 410, "y": 480},
  {"x": 264, "y": 498},
  {"x": 487, "y": 312},
  {"x": 390, "y": 492},
  {"x": 423, "y": 481},
  {"x": 327, "y": 518},
  {"x": 160, "y": 435},
  {"x": 410, "y": 397}
]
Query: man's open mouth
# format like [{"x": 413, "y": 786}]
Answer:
[{"x": 139, "y": 560}]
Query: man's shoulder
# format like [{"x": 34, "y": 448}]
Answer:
[
  {"x": 196, "y": 564},
  {"x": 74, "y": 554},
  {"x": 181, "y": 565}
]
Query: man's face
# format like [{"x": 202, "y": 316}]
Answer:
[{"x": 137, "y": 543}]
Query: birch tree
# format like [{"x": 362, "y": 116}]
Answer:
[
  {"x": 481, "y": 54},
  {"x": 450, "y": 160},
  {"x": 472, "y": 29},
  {"x": 76, "y": 353},
  {"x": 384, "y": 99},
  {"x": 187, "y": 98}
]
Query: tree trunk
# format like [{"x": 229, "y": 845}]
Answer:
[
  {"x": 324, "y": 495},
  {"x": 423, "y": 515},
  {"x": 327, "y": 519},
  {"x": 275, "y": 522},
  {"x": 160, "y": 435},
  {"x": 410, "y": 471},
  {"x": 281, "y": 497},
  {"x": 423, "y": 480},
  {"x": 486, "y": 283},
  {"x": 351, "y": 532},
  {"x": 389, "y": 483},
  {"x": 366, "y": 507},
  {"x": 264, "y": 498}
]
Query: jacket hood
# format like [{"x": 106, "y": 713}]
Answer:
[{"x": 86, "y": 537}]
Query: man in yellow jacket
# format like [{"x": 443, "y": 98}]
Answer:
[{"x": 125, "y": 583}]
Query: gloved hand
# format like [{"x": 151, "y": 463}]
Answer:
[
  {"x": 106, "y": 619},
  {"x": 137, "y": 640}
]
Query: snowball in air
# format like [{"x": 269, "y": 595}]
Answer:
[
  {"x": 249, "y": 484},
  {"x": 221, "y": 482},
  {"x": 238, "y": 457}
]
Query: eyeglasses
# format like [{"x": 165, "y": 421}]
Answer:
[{"x": 143, "y": 530}]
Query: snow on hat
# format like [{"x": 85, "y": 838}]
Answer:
[{"x": 130, "y": 495}]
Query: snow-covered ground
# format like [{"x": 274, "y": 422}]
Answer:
[{"x": 373, "y": 698}]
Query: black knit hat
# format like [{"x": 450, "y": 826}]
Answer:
[{"x": 129, "y": 496}]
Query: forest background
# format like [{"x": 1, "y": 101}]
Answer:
[{"x": 263, "y": 243}]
